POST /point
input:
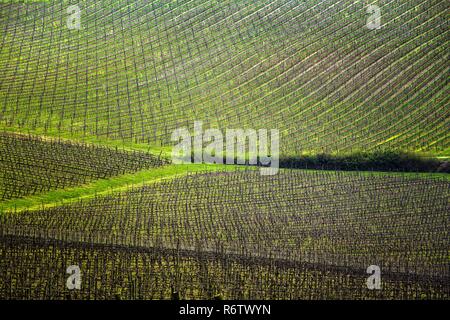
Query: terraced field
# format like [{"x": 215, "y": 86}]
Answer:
[{"x": 137, "y": 70}]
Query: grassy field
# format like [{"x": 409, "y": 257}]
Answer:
[{"x": 86, "y": 117}]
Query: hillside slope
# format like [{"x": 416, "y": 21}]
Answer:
[
  {"x": 31, "y": 165},
  {"x": 137, "y": 70},
  {"x": 299, "y": 234}
]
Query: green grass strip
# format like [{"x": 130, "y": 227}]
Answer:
[
  {"x": 105, "y": 186},
  {"x": 124, "y": 182}
]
